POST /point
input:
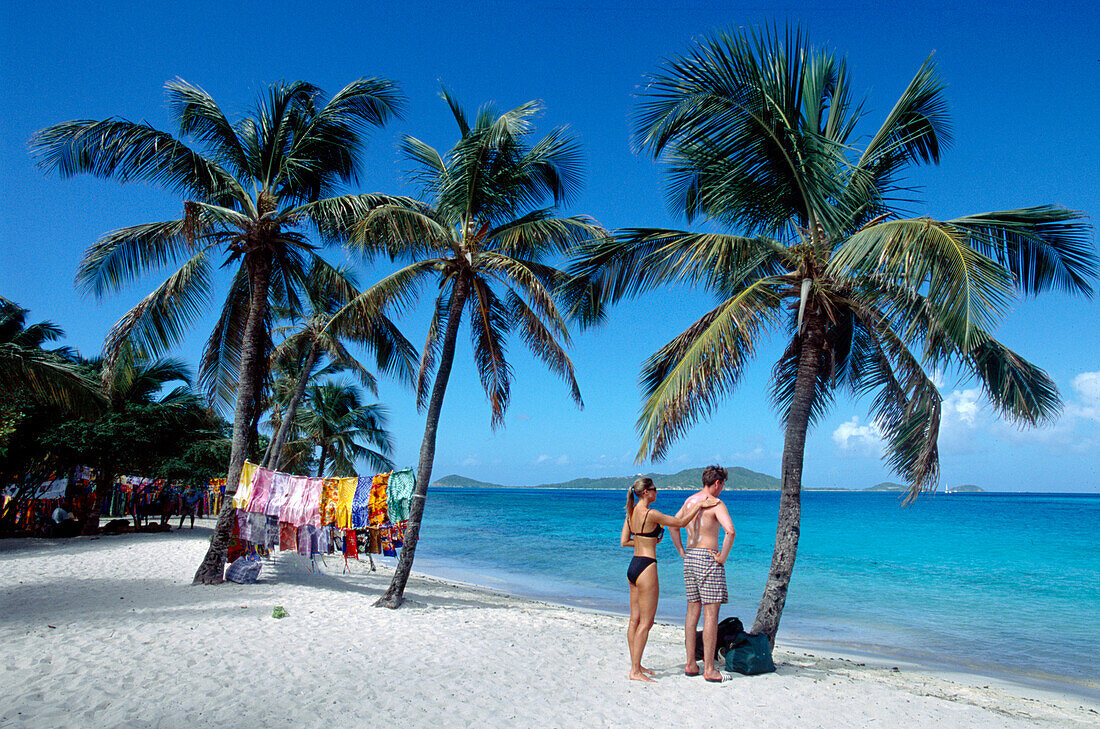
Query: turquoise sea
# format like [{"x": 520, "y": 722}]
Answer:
[{"x": 1004, "y": 585}]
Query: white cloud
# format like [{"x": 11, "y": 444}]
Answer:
[
  {"x": 961, "y": 406},
  {"x": 543, "y": 458},
  {"x": 471, "y": 461},
  {"x": 1087, "y": 387},
  {"x": 563, "y": 460},
  {"x": 858, "y": 439}
]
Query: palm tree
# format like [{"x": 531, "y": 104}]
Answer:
[
  {"x": 49, "y": 375},
  {"x": 483, "y": 231},
  {"x": 317, "y": 333},
  {"x": 259, "y": 180},
  {"x": 759, "y": 135},
  {"x": 132, "y": 381},
  {"x": 335, "y": 420}
]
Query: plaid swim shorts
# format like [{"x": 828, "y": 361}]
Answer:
[{"x": 704, "y": 578}]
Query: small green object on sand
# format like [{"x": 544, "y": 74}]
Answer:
[{"x": 279, "y": 612}]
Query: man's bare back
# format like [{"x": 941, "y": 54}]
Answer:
[{"x": 702, "y": 532}]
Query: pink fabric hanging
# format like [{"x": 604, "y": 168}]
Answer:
[
  {"x": 261, "y": 490},
  {"x": 292, "y": 510},
  {"x": 280, "y": 490},
  {"x": 311, "y": 507}
]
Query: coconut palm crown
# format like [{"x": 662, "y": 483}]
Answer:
[
  {"x": 760, "y": 134},
  {"x": 488, "y": 236},
  {"x": 251, "y": 187},
  {"x": 49, "y": 375},
  {"x": 335, "y": 420},
  {"x": 314, "y": 334}
]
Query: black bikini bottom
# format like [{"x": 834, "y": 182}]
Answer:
[{"x": 637, "y": 567}]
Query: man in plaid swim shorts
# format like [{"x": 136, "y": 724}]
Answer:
[{"x": 705, "y": 571}]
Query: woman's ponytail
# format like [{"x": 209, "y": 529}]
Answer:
[{"x": 639, "y": 487}]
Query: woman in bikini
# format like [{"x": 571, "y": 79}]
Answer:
[{"x": 642, "y": 529}]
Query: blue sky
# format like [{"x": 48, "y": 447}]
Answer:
[{"x": 1024, "y": 90}]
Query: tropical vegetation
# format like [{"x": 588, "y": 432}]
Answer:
[
  {"x": 344, "y": 429},
  {"x": 487, "y": 234},
  {"x": 760, "y": 134},
  {"x": 250, "y": 187},
  {"x": 136, "y": 427},
  {"x": 314, "y": 334}
]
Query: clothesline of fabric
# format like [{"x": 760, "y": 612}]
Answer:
[{"x": 313, "y": 515}]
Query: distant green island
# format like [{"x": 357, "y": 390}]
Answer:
[
  {"x": 966, "y": 488},
  {"x": 690, "y": 479}
]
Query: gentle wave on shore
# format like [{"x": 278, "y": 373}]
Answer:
[{"x": 999, "y": 584}]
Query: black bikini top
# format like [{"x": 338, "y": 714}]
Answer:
[{"x": 654, "y": 533}]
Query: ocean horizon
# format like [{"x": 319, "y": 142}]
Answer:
[{"x": 1001, "y": 584}]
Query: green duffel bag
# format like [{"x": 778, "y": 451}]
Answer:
[{"x": 750, "y": 654}]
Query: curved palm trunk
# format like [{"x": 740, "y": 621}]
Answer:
[
  {"x": 395, "y": 594},
  {"x": 275, "y": 450},
  {"x": 790, "y": 500},
  {"x": 211, "y": 570}
]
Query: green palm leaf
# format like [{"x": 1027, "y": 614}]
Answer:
[{"x": 684, "y": 380}]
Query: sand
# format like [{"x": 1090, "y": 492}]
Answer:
[{"x": 109, "y": 632}]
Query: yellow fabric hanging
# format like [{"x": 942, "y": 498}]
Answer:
[
  {"x": 343, "y": 505},
  {"x": 244, "y": 486}
]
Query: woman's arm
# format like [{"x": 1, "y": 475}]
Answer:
[
  {"x": 676, "y": 522},
  {"x": 626, "y": 539}
]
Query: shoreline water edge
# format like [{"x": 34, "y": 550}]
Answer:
[
  {"x": 452, "y": 656},
  {"x": 992, "y": 584}
]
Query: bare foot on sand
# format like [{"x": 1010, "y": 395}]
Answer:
[
  {"x": 648, "y": 671},
  {"x": 637, "y": 676}
]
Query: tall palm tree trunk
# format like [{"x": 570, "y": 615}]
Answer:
[
  {"x": 395, "y": 594},
  {"x": 274, "y": 457},
  {"x": 259, "y": 277},
  {"x": 790, "y": 501}
]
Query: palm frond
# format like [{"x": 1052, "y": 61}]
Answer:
[
  {"x": 916, "y": 128},
  {"x": 433, "y": 345},
  {"x": 1044, "y": 247},
  {"x": 335, "y": 218},
  {"x": 158, "y": 321},
  {"x": 684, "y": 380},
  {"x": 221, "y": 358},
  {"x": 906, "y": 404},
  {"x": 1020, "y": 390},
  {"x": 200, "y": 116},
  {"x": 48, "y": 378},
  {"x": 638, "y": 259},
  {"x": 969, "y": 289},
  {"x": 402, "y": 231},
  {"x": 537, "y": 234},
  {"x": 126, "y": 151},
  {"x": 122, "y": 255},
  {"x": 490, "y": 320},
  {"x": 540, "y": 340}
]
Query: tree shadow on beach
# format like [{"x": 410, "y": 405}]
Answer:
[{"x": 327, "y": 573}]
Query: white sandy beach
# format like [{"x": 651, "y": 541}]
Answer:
[{"x": 110, "y": 633}]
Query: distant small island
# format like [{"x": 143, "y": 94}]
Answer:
[
  {"x": 690, "y": 479},
  {"x": 967, "y": 488},
  {"x": 740, "y": 479}
]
